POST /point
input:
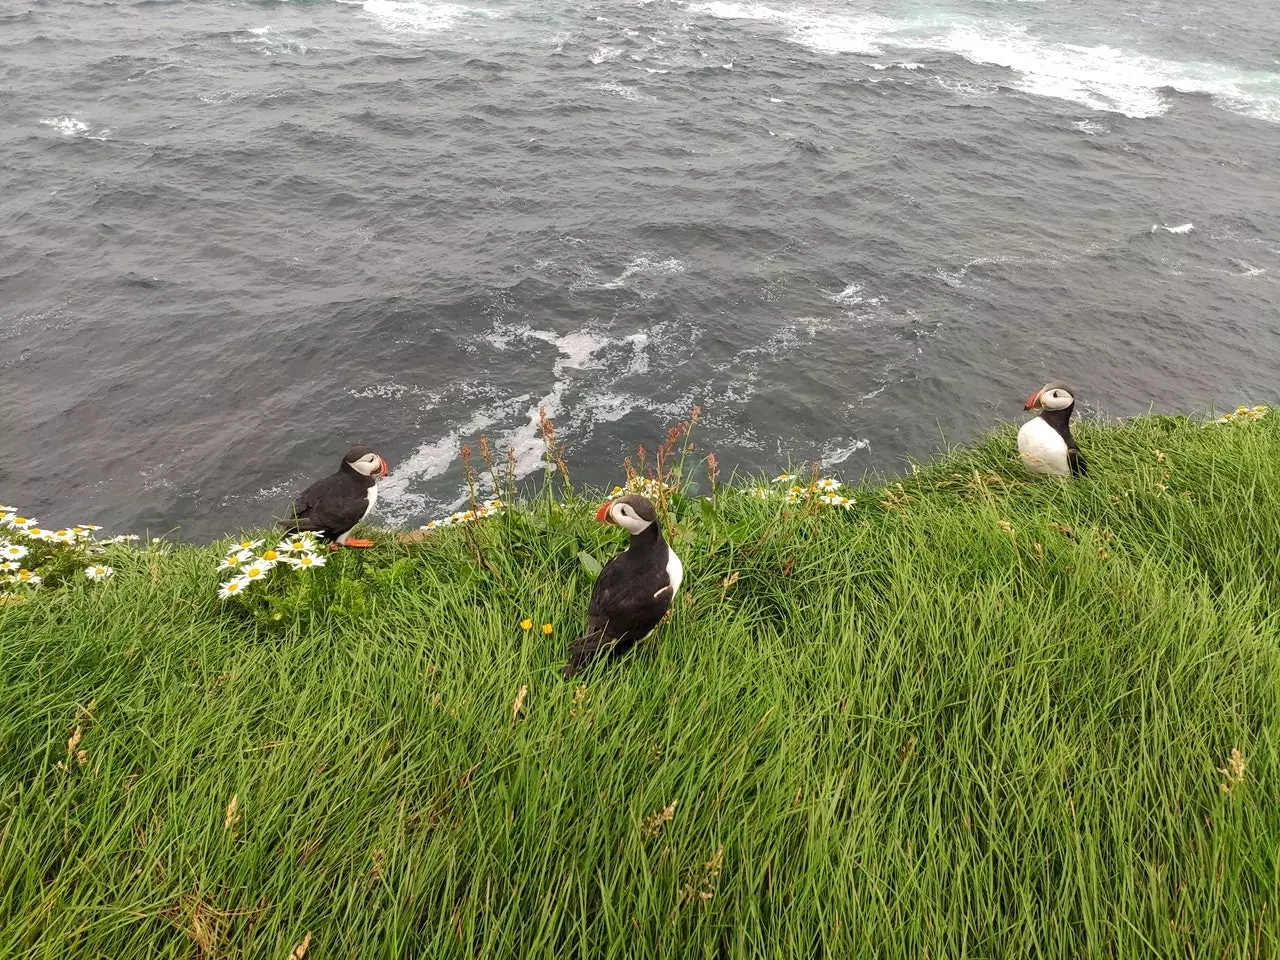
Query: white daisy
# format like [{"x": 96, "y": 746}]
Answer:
[
  {"x": 8, "y": 565},
  {"x": 4, "y": 509},
  {"x": 25, "y": 578},
  {"x": 306, "y": 561},
  {"x": 38, "y": 533},
  {"x": 270, "y": 558},
  {"x": 248, "y": 544},
  {"x": 829, "y": 499},
  {"x": 64, "y": 536},
  {"x": 300, "y": 544},
  {"x": 254, "y": 571},
  {"x": 98, "y": 573},
  {"x": 846, "y": 502},
  {"x": 14, "y": 551},
  {"x": 231, "y": 588},
  {"x": 8, "y": 518},
  {"x": 784, "y": 478},
  {"x": 20, "y": 523},
  {"x": 236, "y": 560},
  {"x": 87, "y": 526},
  {"x": 828, "y": 485}
]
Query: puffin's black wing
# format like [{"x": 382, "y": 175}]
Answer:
[
  {"x": 629, "y": 599},
  {"x": 331, "y": 506},
  {"x": 1075, "y": 460}
]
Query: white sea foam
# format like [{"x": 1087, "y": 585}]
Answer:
[
  {"x": 605, "y": 54},
  {"x": 840, "y": 451},
  {"x": 411, "y": 16},
  {"x": 1101, "y": 77},
  {"x": 621, "y": 90},
  {"x": 645, "y": 265},
  {"x": 1184, "y": 228},
  {"x": 850, "y": 296},
  {"x": 67, "y": 126}
]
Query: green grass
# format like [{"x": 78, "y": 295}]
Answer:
[{"x": 904, "y": 731}]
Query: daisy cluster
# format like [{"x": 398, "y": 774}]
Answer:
[
  {"x": 247, "y": 566},
  {"x": 1241, "y": 415},
  {"x": 29, "y": 553},
  {"x": 486, "y": 509},
  {"x": 649, "y": 487},
  {"x": 827, "y": 491}
]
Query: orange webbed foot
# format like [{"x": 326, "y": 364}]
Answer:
[{"x": 360, "y": 544}]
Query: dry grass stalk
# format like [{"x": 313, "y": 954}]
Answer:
[
  {"x": 232, "y": 817},
  {"x": 300, "y": 950},
  {"x": 1006, "y": 526},
  {"x": 703, "y": 887},
  {"x": 518, "y": 703},
  {"x": 379, "y": 859},
  {"x": 1233, "y": 771},
  {"x": 654, "y": 823},
  {"x": 579, "y": 700}
]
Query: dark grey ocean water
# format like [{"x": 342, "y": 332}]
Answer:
[{"x": 236, "y": 237}]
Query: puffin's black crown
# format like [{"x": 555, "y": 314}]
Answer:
[{"x": 355, "y": 453}]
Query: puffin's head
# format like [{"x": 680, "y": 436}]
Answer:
[
  {"x": 632, "y": 512},
  {"x": 365, "y": 462},
  {"x": 1052, "y": 396}
]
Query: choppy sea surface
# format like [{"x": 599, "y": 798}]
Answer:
[{"x": 236, "y": 237}]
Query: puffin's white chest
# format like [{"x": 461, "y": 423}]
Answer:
[
  {"x": 675, "y": 571},
  {"x": 372, "y": 498},
  {"x": 1042, "y": 449}
]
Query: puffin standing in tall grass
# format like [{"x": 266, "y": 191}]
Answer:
[
  {"x": 1044, "y": 442},
  {"x": 332, "y": 506},
  {"x": 634, "y": 590}
]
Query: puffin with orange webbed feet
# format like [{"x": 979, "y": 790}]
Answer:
[
  {"x": 332, "y": 506},
  {"x": 634, "y": 590}
]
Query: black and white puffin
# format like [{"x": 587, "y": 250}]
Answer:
[
  {"x": 1044, "y": 442},
  {"x": 635, "y": 588},
  {"x": 334, "y": 505}
]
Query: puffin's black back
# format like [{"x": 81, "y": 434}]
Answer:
[
  {"x": 334, "y": 505},
  {"x": 624, "y": 608},
  {"x": 1060, "y": 420}
]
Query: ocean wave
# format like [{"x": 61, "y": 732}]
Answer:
[
  {"x": 1101, "y": 77},
  {"x": 412, "y": 16},
  {"x": 621, "y": 90},
  {"x": 67, "y": 126},
  {"x": 1183, "y": 228}
]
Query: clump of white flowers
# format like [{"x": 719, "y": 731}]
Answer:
[
  {"x": 649, "y": 487},
  {"x": 827, "y": 491},
  {"x": 248, "y": 563},
  {"x": 1241, "y": 414},
  {"x": 487, "y": 509},
  {"x": 32, "y": 555}
]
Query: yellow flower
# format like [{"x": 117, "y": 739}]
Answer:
[
  {"x": 526, "y": 624},
  {"x": 547, "y": 628},
  {"x": 270, "y": 556}
]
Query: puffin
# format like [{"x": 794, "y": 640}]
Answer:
[
  {"x": 1044, "y": 442},
  {"x": 634, "y": 590},
  {"x": 334, "y": 505}
]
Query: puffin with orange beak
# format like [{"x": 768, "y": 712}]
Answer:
[
  {"x": 634, "y": 590},
  {"x": 1044, "y": 442},
  {"x": 332, "y": 506}
]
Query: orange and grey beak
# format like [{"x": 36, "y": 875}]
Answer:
[
  {"x": 385, "y": 467},
  {"x": 1032, "y": 400},
  {"x": 603, "y": 513}
]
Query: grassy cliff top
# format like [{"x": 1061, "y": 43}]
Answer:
[{"x": 971, "y": 715}]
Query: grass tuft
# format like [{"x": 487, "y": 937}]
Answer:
[{"x": 964, "y": 714}]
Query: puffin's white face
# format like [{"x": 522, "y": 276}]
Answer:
[
  {"x": 625, "y": 517},
  {"x": 370, "y": 465},
  {"x": 1052, "y": 396}
]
